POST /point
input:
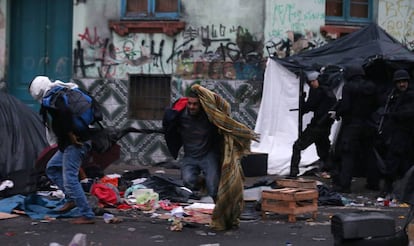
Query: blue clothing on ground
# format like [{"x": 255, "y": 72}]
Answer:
[{"x": 36, "y": 206}]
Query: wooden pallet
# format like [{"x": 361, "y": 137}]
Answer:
[
  {"x": 297, "y": 183},
  {"x": 290, "y": 201}
]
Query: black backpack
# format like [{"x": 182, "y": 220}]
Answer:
[{"x": 85, "y": 109}]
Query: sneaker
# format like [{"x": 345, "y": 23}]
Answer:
[{"x": 82, "y": 220}]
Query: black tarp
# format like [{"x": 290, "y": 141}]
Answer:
[
  {"x": 371, "y": 47},
  {"x": 23, "y": 137}
]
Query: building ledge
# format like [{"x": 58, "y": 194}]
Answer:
[{"x": 170, "y": 28}]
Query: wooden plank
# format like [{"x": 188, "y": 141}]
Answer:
[
  {"x": 297, "y": 183},
  {"x": 289, "y": 194}
]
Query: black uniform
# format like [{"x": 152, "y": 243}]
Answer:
[
  {"x": 399, "y": 134},
  {"x": 358, "y": 131},
  {"x": 320, "y": 101}
]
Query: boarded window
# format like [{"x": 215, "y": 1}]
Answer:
[
  {"x": 166, "y": 6},
  {"x": 150, "y": 9},
  {"x": 334, "y": 8},
  {"x": 359, "y": 9},
  {"x": 348, "y": 11},
  {"x": 148, "y": 97},
  {"x": 137, "y": 8}
]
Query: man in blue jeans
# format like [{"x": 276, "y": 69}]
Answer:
[
  {"x": 200, "y": 166},
  {"x": 73, "y": 146},
  {"x": 213, "y": 145}
]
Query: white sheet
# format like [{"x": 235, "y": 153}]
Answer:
[{"x": 277, "y": 126}]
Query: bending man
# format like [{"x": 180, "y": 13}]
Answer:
[{"x": 213, "y": 145}]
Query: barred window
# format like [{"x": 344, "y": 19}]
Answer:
[{"x": 148, "y": 97}]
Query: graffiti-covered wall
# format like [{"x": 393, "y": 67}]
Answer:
[
  {"x": 220, "y": 33},
  {"x": 92, "y": 38},
  {"x": 397, "y": 18},
  {"x": 223, "y": 46},
  {"x": 293, "y": 26},
  {"x": 219, "y": 48}
]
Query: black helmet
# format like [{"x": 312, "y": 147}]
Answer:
[
  {"x": 400, "y": 74},
  {"x": 354, "y": 70}
]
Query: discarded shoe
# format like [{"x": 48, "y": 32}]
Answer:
[
  {"x": 67, "y": 207},
  {"x": 82, "y": 220}
]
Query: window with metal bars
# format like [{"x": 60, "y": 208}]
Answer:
[
  {"x": 148, "y": 96},
  {"x": 150, "y": 9},
  {"x": 348, "y": 11}
]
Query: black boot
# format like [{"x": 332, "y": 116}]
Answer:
[
  {"x": 294, "y": 170},
  {"x": 294, "y": 163}
]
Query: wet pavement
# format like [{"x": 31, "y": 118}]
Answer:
[{"x": 134, "y": 227}]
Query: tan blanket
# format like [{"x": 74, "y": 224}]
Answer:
[{"x": 237, "y": 140}]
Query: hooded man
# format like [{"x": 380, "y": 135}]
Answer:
[
  {"x": 38, "y": 89},
  {"x": 63, "y": 168}
]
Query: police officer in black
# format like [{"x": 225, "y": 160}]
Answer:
[
  {"x": 399, "y": 129},
  {"x": 321, "y": 99},
  {"x": 358, "y": 131}
]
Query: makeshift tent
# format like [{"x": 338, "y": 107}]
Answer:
[
  {"x": 362, "y": 47},
  {"x": 371, "y": 47},
  {"x": 23, "y": 138}
]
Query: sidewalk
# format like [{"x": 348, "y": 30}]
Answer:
[{"x": 139, "y": 228}]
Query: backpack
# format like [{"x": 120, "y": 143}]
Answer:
[{"x": 84, "y": 108}]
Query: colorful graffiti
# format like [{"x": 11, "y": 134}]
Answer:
[
  {"x": 294, "y": 43},
  {"x": 220, "y": 70},
  {"x": 224, "y": 47}
]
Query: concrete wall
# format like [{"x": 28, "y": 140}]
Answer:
[
  {"x": 397, "y": 18},
  {"x": 224, "y": 47}
]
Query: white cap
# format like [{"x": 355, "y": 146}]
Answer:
[
  {"x": 312, "y": 75},
  {"x": 39, "y": 86}
]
